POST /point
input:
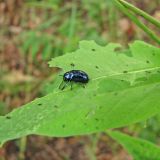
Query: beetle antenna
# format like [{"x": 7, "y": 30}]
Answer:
[
  {"x": 72, "y": 65},
  {"x": 71, "y": 85}
]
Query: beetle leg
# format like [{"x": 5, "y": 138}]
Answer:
[
  {"x": 71, "y": 85},
  {"x": 83, "y": 85},
  {"x": 62, "y": 85},
  {"x": 72, "y": 65}
]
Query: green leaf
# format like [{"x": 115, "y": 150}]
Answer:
[
  {"x": 35, "y": 48},
  {"x": 29, "y": 39},
  {"x": 47, "y": 5},
  {"x": 47, "y": 51},
  {"x": 140, "y": 149},
  {"x": 123, "y": 89}
]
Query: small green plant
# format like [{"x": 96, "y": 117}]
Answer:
[
  {"x": 57, "y": 34},
  {"x": 38, "y": 42},
  {"x": 138, "y": 148}
]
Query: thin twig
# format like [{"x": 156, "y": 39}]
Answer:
[
  {"x": 141, "y": 13},
  {"x": 136, "y": 21}
]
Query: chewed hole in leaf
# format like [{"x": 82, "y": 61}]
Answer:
[
  {"x": 8, "y": 117},
  {"x": 153, "y": 54},
  {"x": 72, "y": 64},
  {"x": 147, "y": 61},
  {"x": 148, "y": 72},
  {"x": 96, "y": 67},
  {"x": 55, "y": 106},
  {"x": 118, "y": 49},
  {"x": 125, "y": 71},
  {"x": 96, "y": 119}
]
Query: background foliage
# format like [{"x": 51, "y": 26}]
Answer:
[{"x": 32, "y": 32}]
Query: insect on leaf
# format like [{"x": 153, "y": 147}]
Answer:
[{"x": 124, "y": 88}]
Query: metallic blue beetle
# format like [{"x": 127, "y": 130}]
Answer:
[{"x": 76, "y": 76}]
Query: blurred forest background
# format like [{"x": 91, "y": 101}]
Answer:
[{"x": 34, "y": 31}]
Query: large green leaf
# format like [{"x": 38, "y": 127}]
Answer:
[
  {"x": 140, "y": 149},
  {"x": 124, "y": 88}
]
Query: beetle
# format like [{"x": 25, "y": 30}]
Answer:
[{"x": 74, "y": 76}]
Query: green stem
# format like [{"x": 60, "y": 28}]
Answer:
[
  {"x": 112, "y": 22},
  {"x": 22, "y": 147},
  {"x": 72, "y": 20},
  {"x": 42, "y": 5},
  {"x": 137, "y": 22},
  {"x": 72, "y": 25},
  {"x": 91, "y": 149},
  {"x": 141, "y": 13}
]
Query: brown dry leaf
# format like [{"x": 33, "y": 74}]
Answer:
[{"x": 15, "y": 77}]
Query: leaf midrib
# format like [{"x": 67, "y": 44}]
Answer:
[{"x": 129, "y": 72}]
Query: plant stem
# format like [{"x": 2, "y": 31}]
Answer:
[
  {"x": 112, "y": 22},
  {"x": 141, "y": 13},
  {"x": 72, "y": 19},
  {"x": 91, "y": 149},
  {"x": 137, "y": 22},
  {"x": 72, "y": 24},
  {"x": 22, "y": 147}
]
